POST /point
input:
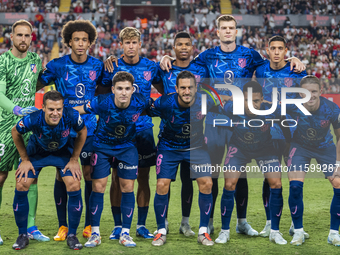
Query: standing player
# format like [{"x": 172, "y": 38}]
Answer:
[
  {"x": 183, "y": 50},
  {"x": 231, "y": 64},
  {"x": 252, "y": 142},
  {"x": 49, "y": 145},
  {"x": 118, "y": 114},
  {"x": 276, "y": 74},
  {"x": 76, "y": 76},
  {"x": 19, "y": 70},
  {"x": 181, "y": 140},
  {"x": 144, "y": 72},
  {"x": 312, "y": 139}
]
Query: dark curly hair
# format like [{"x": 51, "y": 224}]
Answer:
[{"x": 78, "y": 26}]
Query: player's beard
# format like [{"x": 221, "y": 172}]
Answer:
[
  {"x": 228, "y": 42},
  {"x": 20, "y": 49}
]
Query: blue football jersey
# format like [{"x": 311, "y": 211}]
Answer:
[
  {"x": 232, "y": 68},
  {"x": 116, "y": 126},
  {"x": 169, "y": 78},
  {"x": 284, "y": 77},
  {"x": 251, "y": 139},
  {"x": 183, "y": 127},
  {"x": 76, "y": 82},
  {"x": 313, "y": 131},
  {"x": 51, "y": 138},
  {"x": 145, "y": 73}
]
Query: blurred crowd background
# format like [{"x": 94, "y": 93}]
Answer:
[{"x": 317, "y": 46}]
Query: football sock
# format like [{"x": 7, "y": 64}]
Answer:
[
  {"x": 117, "y": 216},
  {"x": 74, "y": 210},
  {"x": 20, "y": 208},
  {"x": 142, "y": 214},
  {"x": 241, "y": 198},
  {"x": 214, "y": 192},
  {"x": 266, "y": 197},
  {"x": 96, "y": 208},
  {"x": 335, "y": 210},
  {"x": 227, "y": 206},
  {"x": 205, "y": 204},
  {"x": 187, "y": 189},
  {"x": 60, "y": 199},
  {"x": 275, "y": 204},
  {"x": 127, "y": 206},
  {"x": 88, "y": 190},
  {"x": 32, "y": 197},
  {"x": 295, "y": 201},
  {"x": 160, "y": 206}
]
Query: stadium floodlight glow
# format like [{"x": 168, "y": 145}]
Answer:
[{"x": 238, "y": 100}]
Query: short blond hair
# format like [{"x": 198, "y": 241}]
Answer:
[
  {"x": 22, "y": 22},
  {"x": 225, "y": 18},
  {"x": 128, "y": 33}
]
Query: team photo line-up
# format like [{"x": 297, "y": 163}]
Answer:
[{"x": 121, "y": 138}]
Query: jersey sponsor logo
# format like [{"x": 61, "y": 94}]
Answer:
[
  {"x": 21, "y": 124},
  {"x": 135, "y": 117},
  {"x": 248, "y": 136},
  {"x": 53, "y": 145},
  {"x": 80, "y": 90},
  {"x": 84, "y": 154},
  {"x": 229, "y": 77},
  {"x": 311, "y": 133},
  {"x": 147, "y": 75},
  {"x": 288, "y": 82},
  {"x": 34, "y": 68},
  {"x": 26, "y": 87},
  {"x": 242, "y": 62},
  {"x": 186, "y": 129},
  {"x": 135, "y": 88},
  {"x": 120, "y": 130},
  {"x": 65, "y": 133},
  {"x": 92, "y": 75},
  {"x": 324, "y": 123},
  {"x": 198, "y": 77}
]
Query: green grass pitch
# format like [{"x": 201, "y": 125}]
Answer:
[{"x": 317, "y": 198}]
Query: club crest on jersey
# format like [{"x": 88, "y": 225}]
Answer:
[
  {"x": 135, "y": 117},
  {"x": 242, "y": 62},
  {"x": 65, "y": 133},
  {"x": 288, "y": 82},
  {"x": 34, "y": 68},
  {"x": 21, "y": 124},
  {"x": 324, "y": 123},
  {"x": 147, "y": 75},
  {"x": 198, "y": 78},
  {"x": 93, "y": 75}
]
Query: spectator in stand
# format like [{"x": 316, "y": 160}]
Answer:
[
  {"x": 51, "y": 33},
  {"x": 70, "y": 16},
  {"x": 78, "y": 9},
  {"x": 137, "y": 23}
]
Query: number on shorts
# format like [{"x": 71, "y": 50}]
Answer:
[{"x": 2, "y": 149}]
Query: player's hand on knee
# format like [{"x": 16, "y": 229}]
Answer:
[
  {"x": 108, "y": 63},
  {"x": 74, "y": 168},
  {"x": 24, "y": 111},
  {"x": 335, "y": 174},
  {"x": 23, "y": 169},
  {"x": 165, "y": 63}
]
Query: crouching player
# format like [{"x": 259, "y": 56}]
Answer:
[
  {"x": 313, "y": 139},
  {"x": 182, "y": 140},
  {"x": 118, "y": 112},
  {"x": 249, "y": 141},
  {"x": 49, "y": 145}
]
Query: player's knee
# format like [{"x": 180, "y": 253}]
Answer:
[
  {"x": 230, "y": 185},
  {"x": 127, "y": 187},
  {"x": 3, "y": 177},
  {"x": 22, "y": 186},
  {"x": 73, "y": 186},
  {"x": 336, "y": 183},
  {"x": 98, "y": 186},
  {"x": 205, "y": 185},
  {"x": 275, "y": 184},
  {"x": 162, "y": 187}
]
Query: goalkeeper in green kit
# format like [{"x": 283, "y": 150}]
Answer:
[{"x": 19, "y": 71}]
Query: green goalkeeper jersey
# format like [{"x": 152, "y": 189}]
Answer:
[{"x": 18, "y": 79}]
